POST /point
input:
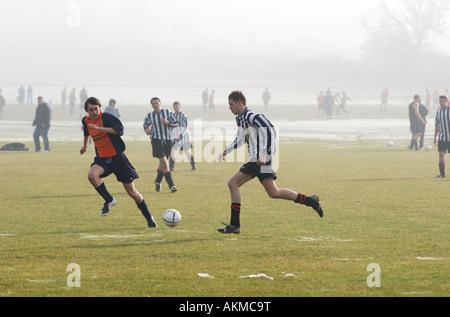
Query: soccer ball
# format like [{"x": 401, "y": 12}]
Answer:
[
  {"x": 389, "y": 143},
  {"x": 428, "y": 148},
  {"x": 171, "y": 218}
]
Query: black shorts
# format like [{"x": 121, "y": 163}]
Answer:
[
  {"x": 161, "y": 148},
  {"x": 443, "y": 146},
  {"x": 262, "y": 172},
  {"x": 119, "y": 165}
]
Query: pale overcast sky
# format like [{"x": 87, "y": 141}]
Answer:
[{"x": 38, "y": 35}]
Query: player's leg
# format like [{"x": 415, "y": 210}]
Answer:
[
  {"x": 164, "y": 169},
  {"x": 94, "y": 176},
  {"x": 234, "y": 184},
  {"x": 441, "y": 163},
  {"x": 190, "y": 157},
  {"x": 140, "y": 202},
  {"x": 283, "y": 193},
  {"x": 172, "y": 159}
]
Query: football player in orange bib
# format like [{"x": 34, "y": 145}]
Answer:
[{"x": 106, "y": 131}]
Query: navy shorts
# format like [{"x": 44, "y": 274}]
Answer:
[
  {"x": 262, "y": 172},
  {"x": 119, "y": 166},
  {"x": 161, "y": 148}
]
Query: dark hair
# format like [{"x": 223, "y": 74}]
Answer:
[
  {"x": 155, "y": 98},
  {"x": 237, "y": 96},
  {"x": 92, "y": 101},
  {"x": 416, "y": 97},
  {"x": 443, "y": 97}
]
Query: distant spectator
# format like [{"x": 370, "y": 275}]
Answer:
[
  {"x": 42, "y": 124},
  {"x": 112, "y": 108},
  {"x": 29, "y": 95}
]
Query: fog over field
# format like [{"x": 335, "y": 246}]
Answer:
[{"x": 176, "y": 42}]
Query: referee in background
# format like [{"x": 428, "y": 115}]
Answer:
[{"x": 158, "y": 125}]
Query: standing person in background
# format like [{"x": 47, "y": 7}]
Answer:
[
  {"x": 266, "y": 98},
  {"x": 442, "y": 133},
  {"x": 106, "y": 131},
  {"x": 320, "y": 99},
  {"x": 29, "y": 95},
  {"x": 416, "y": 122},
  {"x": 112, "y": 108},
  {"x": 21, "y": 96},
  {"x": 384, "y": 99},
  {"x": 42, "y": 125},
  {"x": 63, "y": 97},
  {"x": 328, "y": 104},
  {"x": 204, "y": 99},
  {"x": 212, "y": 107},
  {"x": 72, "y": 99},
  {"x": 158, "y": 124},
  {"x": 181, "y": 138}
]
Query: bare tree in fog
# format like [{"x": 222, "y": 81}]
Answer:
[{"x": 399, "y": 35}]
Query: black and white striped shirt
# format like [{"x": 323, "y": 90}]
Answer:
[
  {"x": 258, "y": 132},
  {"x": 181, "y": 129},
  {"x": 160, "y": 131},
  {"x": 442, "y": 122}
]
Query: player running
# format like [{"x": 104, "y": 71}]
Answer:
[
  {"x": 158, "y": 125},
  {"x": 106, "y": 131},
  {"x": 259, "y": 133}
]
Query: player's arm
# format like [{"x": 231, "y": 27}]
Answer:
[
  {"x": 238, "y": 142},
  {"x": 86, "y": 138},
  {"x": 85, "y": 145},
  {"x": 111, "y": 125},
  {"x": 436, "y": 131},
  {"x": 104, "y": 129},
  {"x": 147, "y": 125}
]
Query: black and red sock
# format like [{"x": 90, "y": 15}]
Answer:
[
  {"x": 235, "y": 214},
  {"x": 304, "y": 200}
]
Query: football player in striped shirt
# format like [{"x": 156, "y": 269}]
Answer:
[
  {"x": 181, "y": 137},
  {"x": 158, "y": 125},
  {"x": 259, "y": 133},
  {"x": 106, "y": 131},
  {"x": 442, "y": 133}
]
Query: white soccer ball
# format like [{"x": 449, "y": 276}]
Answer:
[
  {"x": 171, "y": 218},
  {"x": 389, "y": 143},
  {"x": 428, "y": 148}
]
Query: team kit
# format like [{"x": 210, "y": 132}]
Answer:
[{"x": 168, "y": 132}]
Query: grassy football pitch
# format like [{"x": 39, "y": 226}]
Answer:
[{"x": 382, "y": 206}]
